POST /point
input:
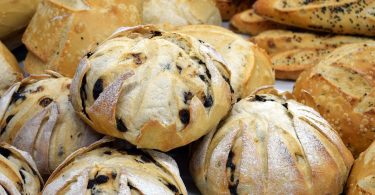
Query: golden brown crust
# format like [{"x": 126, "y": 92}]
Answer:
[
  {"x": 229, "y": 8},
  {"x": 344, "y": 17},
  {"x": 73, "y": 28},
  {"x": 362, "y": 175},
  {"x": 249, "y": 22},
  {"x": 9, "y": 70},
  {"x": 341, "y": 88}
]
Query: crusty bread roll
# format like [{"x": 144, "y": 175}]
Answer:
[
  {"x": 337, "y": 16},
  {"x": 9, "y": 70},
  {"x": 181, "y": 12},
  {"x": 249, "y": 65},
  {"x": 293, "y": 52},
  {"x": 229, "y": 8},
  {"x": 269, "y": 145},
  {"x": 362, "y": 175},
  {"x": 249, "y": 22},
  {"x": 112, "y": 166},
  {"x": 62, "y": 31},
  {"x": 342, "y": 88},
  {"x": 37, "y": 117},
  {"x": 18, "y": 172},
  {"x": 156, "y": 89}
]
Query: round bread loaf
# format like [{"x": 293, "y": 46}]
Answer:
[
  {"x": 249, "y": 65},
  {"x": 269, "y": 145},
  {"x": 9, "y": 69},
  {"x": 156, "y": 89},
  {"x": 181, "y": 12},
  {"x": 342, "y": 88},
  {"x": 37, "y": 117},
  {"x": 362, "y": 175},
  {"x": 114, "y": 167},
  {"x": 229, "y": 8},
  {"x": 18, "y": 172}
]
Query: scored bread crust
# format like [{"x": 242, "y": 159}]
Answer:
[
  {"x": 9, "y": 70},
  {"x": 251, "y": 23},
  {"x": 293, "y": 52},
  {"x": 342, "y": 88},
  {"x": 269, "y": 145},
  {"x": 344, "y": 17},
  {"x": 73, "y": 28},
  {"x": 250, "y": 67},
  {"x": 362, "y": 176},
  {"x": 229, "y": 8},
  {"x": 156, "y": 89}
]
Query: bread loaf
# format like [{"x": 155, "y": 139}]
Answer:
[
  {"x": 229, "y": 8},
  {"x": 9, "y": 70}
]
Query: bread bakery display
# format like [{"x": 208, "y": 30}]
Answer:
[
  {"x": 156, "y": 89},
  {"x": 114, "y": 167},
  {"x": 269, "y": 145},
  {"x": 249, "y": 65},
  {"x": 9, "y": 70},
  {"x": 336, "y": 16},
  {"x": 362, "y": 175},
  {"x": 37, "y": 117},
  {"x": 342, "y": 88},
  {"x": 18, "y": 172},
  {"x": 181, "y": 12},
  {"x": 249, "y": 22},
  {"x": 73, "y": 28},
  {"x": 293, "y": 52},
  {"x": 229, "y": 8}
]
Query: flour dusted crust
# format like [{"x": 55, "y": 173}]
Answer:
[
  {"x": 37, "y": 117},
  {"x": 18, "y": 172},
  {"x": 249, "y": 65},
  {"x": 9, "y": 69},
  {"x": 362, "y": 175},
  {"x": 269, "y": 145},
  {"x": 114, "y": 167},
  {"x": 156, "y": 89},
  {"x": 293, "y": 52},
  {"x": 342, "y": 88},
  {"x": 181, "y": 12},
  {"x": 73, "y": 28},
  {"x": 251, "y": 23},
  {"x": 229, "y": 8},
  {"x": 344, "y": 16}
]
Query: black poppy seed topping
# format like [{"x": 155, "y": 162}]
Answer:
[{"x": 98, "y": 180}]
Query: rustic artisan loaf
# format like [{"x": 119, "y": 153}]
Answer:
[
  {"x": 156, "y": 89},
  {"x": 114, "y": 167},
  {"x": 269, "y": 145},
  {"x": 342, "y": 88},
  {"x": 181, "y": 12},
  {"x": 9, "y": 69},
  {"x": 293, "y": 52},
  {"x": 249, "y": 22},
  {"x": 62, "y": 31},
  {"x": 249, "y": 65},
  {"x": 362, "y": 175},
  {"x": 337, "y": 16},
  {"x": 18, "y": 172},
  {"x": 37, "y": 117},
  {"x": 229, "y": 8}
]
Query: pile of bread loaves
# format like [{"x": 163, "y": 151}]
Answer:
[{"x": 110, "y": 87}]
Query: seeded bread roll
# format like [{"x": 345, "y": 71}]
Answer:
[
  {"x": 249, "y": 22},
  {"x": 293, "y": 52},
  {"x": 114, "y": 167},
  {"x": 249, "y": 65},
  {"x": 73, "y": 28},
  {"x": 37, "y": 117},
  {"x": 18, "y": 172},
  {"x": 269, "y": 145},
  {"x": 362, "y": 175},
  {"x": 342, "y": 17},
  {"x": 342, "y": 88},
  {"x": 229, "y": 8},
  {"x": 181, "y": 12},
  {"x": 9, "y": 69},
  {"x": 155, "y": 89}
]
